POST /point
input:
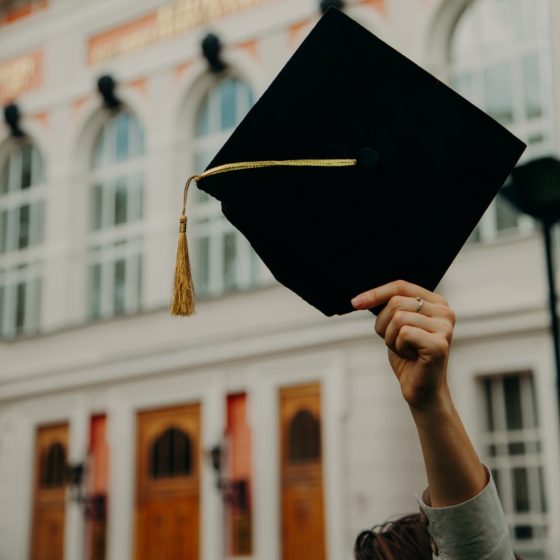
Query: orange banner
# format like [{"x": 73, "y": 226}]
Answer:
[
  {"x": 20, "y": 75},
  {"x": 166, "y": 22}
]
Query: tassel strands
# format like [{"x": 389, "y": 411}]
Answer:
[{"x": 183, "y": 292}]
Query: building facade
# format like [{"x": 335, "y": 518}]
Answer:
[{"x": 257, "y": 428}]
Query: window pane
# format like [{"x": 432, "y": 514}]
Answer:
[
  {"x": 2, "y": 292},
  {"x": 255, "y": 266},
  {"x": 140, "y": 198},
  {"x": 36, "y": 225},
  {"x": 201, "y": 160},
  {"x": 496, "y": 477},
  {"x": 121, "y": 197},
  {"x": 463, "y": 84},
  {"x": 498, "y": 92},
  {"x": 99, "y": 152},
  {"x": 202, "y": 270},
  {"x": 26, "y": 164},
  {"x": 544, "y": 505},
  {"x": 37, "y": 167},
  {"x": 24, "y": 215},
  {"x": 513, "y": 402},
  {"x": 245, "y": 99},
  {"x": 488, "y": 401},
  {"x": 97, "y": 212},
  {"x": 36, "y": 290},
  {"x": 228, "y": 92},
  {"x": 523, "y": 532},
  {"x": 135, "y": 205},
  {"x": 507, "y": 217},
  {"x": 230, "y": 257},
  {"x": 475, "y": 236},
  {"x": 120, "y": 280},
  {"x": 203, "y": 119},
  {"x": 4, "y": 178},
  {"x": 20, "y": 306},
  {"x": 137, "y": 290},
  {"x": 95, "y": 290},
  {"x": 136, "y": 134},
  {"x": 533, "y": 391},
  {"x": 532, "y": 86},
  {"x": 122, "y": 141},
  {"x": 516, "y": 448},
  {"x": 3, "y": 231}
]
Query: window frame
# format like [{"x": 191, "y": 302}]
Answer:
[
  {"x": 208, "y": 225},
  {"x": 500, "y": 437},
  {"x": 21, "y": 266},
  {"x": 514, "y": 54},
  {"x": 112, "y": 243}
]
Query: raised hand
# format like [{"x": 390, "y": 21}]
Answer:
[{"x": 417, "y": 326}]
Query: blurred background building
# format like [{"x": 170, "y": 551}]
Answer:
[{"x": 257, "y": 429}]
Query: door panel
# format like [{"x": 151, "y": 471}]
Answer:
[
  {"x": 168, "y": 465},
  {"x": 51, "y": 445},
  {"x": 301, "y": 473}
]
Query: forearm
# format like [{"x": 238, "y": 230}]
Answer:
[{"x": 453, "y": 468}]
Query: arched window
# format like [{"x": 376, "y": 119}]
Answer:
[
  {"x": 224, "y": 259},
  {"x": 53, "y": 465},
  {"x": 117, "y": 207},
  {"x": 304, "y": 438},
  {"x": 21, "y": 234},
  {"x": 171, "y": 455},
  {"x": 500, "y": 61}
]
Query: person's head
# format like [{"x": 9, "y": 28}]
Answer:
[{"x": 406, "y": 538}]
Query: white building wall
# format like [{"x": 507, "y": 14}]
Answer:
[{"x": 373, "y": 463}]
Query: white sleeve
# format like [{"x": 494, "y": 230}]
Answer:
[{"x": 473, "y": 530}]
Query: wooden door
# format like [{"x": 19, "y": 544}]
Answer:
[
  {"x": 168, "y": 473},
  {"x": 301, "y": 473},
  {"x": 51, "y": 446}
]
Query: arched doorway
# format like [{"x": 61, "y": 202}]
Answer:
[
  {"x": 50, "y": 495},
  {"x": 168, "y": 472},
  {"x": 301, "y": 473}
]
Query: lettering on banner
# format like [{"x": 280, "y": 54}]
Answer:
[{"x": 168, "y": 21}]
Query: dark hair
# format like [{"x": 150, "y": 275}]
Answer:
[{"x": 406, "y": 538}]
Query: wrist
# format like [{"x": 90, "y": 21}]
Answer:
[{"x": 437, "y": 407}]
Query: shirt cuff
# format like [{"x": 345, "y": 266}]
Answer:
[{"x": 472, "y": 530}]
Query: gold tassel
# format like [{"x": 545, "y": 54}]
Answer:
[{"x": 183, "y": 292}]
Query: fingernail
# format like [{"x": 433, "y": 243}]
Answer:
[{"x": 358, "y": 301}]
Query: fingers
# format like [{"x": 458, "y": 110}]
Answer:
[
  {"x": 407, "y": 330},
  {"x": 422, "y": 343},
  {"x": 409, "y": 304},
  {"x": 434, "y": 326},
  {"x": 383, "y": 294}
]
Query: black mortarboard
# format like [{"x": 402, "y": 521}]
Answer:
[{"x": 355, "y": 168}]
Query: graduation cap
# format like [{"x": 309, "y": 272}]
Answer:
[{"x": 355, "y": 168}]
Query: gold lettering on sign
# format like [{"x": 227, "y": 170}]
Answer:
[
  {"x": 20, "y": 75},
  {"x": 167, "y": 22}
]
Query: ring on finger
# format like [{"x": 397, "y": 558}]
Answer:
[{"x": 420, "y": 301}]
